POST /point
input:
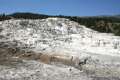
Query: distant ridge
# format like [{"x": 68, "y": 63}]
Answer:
[{"x": 27, "y": 15}]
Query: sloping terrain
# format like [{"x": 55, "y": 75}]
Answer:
[
  {"x": 104, "y": 23},
  {"x": 55, "y": 49}
]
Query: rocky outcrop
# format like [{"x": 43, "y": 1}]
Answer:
[{"x": 59, "y": 47}]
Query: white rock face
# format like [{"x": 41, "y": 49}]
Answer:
[{"x": 59, "y": 35}]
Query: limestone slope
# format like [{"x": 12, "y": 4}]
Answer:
[{"x": 63, "y": 37}]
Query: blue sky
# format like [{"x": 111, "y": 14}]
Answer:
[{"x": 62, "y": 7}]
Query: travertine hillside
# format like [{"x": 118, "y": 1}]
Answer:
[{"x": 83, "y": 54}]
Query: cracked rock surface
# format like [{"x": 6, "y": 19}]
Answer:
[{"x": 23, "y": 41}]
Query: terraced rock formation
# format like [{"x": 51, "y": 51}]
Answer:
[{"x": 56, "y": 49}]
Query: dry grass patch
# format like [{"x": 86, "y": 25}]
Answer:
[{"x": 51, "y": 58}]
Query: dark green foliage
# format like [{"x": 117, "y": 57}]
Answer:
[
  {"x": 28, "y": 16},
  {"x": 4, "y": 17},
  {"x": 107, "y": 24},
  {"x": 104, "y": 24}
]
